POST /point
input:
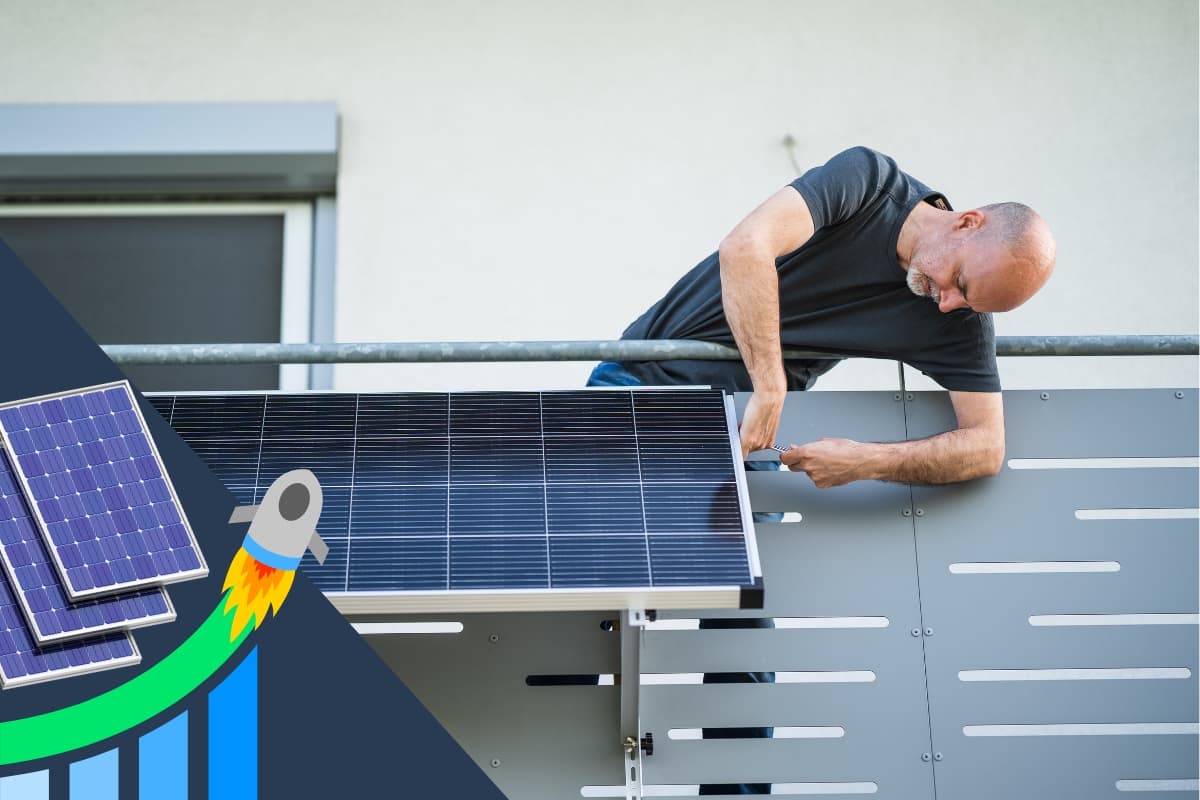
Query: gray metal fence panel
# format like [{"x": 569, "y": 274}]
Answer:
[
  {"x": 849, "y": 560},
  {"x": 534, "y": 742},
  {"x": 1122, "y": 703}
]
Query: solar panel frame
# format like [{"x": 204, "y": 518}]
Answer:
[
  {"x": 419, "y": 440},
  {"x": 130, "y": 481},
  {"x": 18, "y": 651},
  {"x": 52, "y": 617}
]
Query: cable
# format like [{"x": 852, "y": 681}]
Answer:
[{"x": 789, "y": 144}]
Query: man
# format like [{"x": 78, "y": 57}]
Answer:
[{"x": 857, "y": 258}]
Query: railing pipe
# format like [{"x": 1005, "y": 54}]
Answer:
[{"x": 591, "y": 350}]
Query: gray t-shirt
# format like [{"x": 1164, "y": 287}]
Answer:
[{"x": 842, "y": 292}]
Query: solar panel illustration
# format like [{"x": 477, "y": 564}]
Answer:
[
  {"x": 497, "y": 494},
  {"x": 98, "y": 491},
  {"x": 33, "y": 578},
  {"x": 22, "y": 662}
]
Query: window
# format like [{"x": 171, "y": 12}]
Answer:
[{"x": 177, "y": 273}]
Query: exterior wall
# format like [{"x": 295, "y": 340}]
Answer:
[{"x": 533, "y": 170}]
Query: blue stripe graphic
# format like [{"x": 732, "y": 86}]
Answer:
[
  {"x": 233, "y": 734},
  {"x": 264, "y": 556},
  {"x": 96, "y": 778},
  {"x": 30, "y": 786},
  {"x": 163, "y": 761}
]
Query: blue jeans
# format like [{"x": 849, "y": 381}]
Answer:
[{"x": 610, "y": 373}]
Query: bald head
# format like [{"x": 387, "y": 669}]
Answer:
[
  {"x": 992, "y": 258},
  {"x": 1018, "y": 253}
]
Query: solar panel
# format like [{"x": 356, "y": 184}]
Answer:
[
  {"x": 51, "y": 615},
  {"x": 23, "y": 662},
  {"x": 500, "y": 500},
  {"x": 98, "y": 490}
]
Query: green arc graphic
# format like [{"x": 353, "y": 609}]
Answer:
[{"x": 125, "y": 706}]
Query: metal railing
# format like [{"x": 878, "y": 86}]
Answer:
[{"x": 590, "y": 350}]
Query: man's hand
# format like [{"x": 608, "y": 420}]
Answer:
[
  {"x": 760, "y": 421},
  {"x": 829, "y": 462},
  {"x": 974, "y": 450}
]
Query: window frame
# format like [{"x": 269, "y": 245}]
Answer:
[{"x": 296, "y": 270}]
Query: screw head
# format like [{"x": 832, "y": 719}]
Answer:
[
  {"x": 896, "y": 396},
  {"x": 495, "y": 762},
  {"x": 920, "y": 512},
  {"x": 929, "y": 631},
  {"x": 908, "y": 397},
  {"x": 937, "y": 756},
  {"x": 926, "y": 756},
  {"x": 907, "y": 512},
  {"x": 916, "y": 631},
  {"x": 1179, "y": 395},
  {"x": 1045, "y": 395},
  {"x": 495, "y": 637}
]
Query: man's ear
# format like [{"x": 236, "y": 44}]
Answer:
[{"x": 969, "y": 220}]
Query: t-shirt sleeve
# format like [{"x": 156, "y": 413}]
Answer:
[
  {"x": 962, "y": 363},
  {"x": 842, "y": 186}
]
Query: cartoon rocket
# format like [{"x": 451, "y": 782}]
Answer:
[{"x": 282, "y": 528}]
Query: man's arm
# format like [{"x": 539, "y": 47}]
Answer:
[
  {"x": 974, "y": 450},
  {"x": 750, "y": 295}
]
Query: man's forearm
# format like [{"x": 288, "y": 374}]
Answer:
[
  {"x": 750, "y": 296},
  {"x": 958, "y": 455}
]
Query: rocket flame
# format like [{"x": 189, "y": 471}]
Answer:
[{"x": 254, "y": 588}]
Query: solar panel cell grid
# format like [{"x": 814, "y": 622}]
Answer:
[
  {"x": 99, "y": 492},
  {"x": 513, "y": 562},
  {"x": 384, "y": 564},
  {"x": 402, "y": 415},
  {"x": 398, "y": 511},
  {"x": 22, "y": 661},
  {"x": 497, "y": 489},
  {"x": 495, "y": 414},
  {"x": 296, "y": 417},
  {"x": 585, "y": 561},
  {"x": 197, "y": 417},
  {"x": 400, "y": 462},
  {"x": 52, "y": 616},
  {"x": 682, "y": 560}
]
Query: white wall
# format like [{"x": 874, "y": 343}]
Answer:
[{"x": 537, "y": 170}]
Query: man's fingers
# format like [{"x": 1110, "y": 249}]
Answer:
[
  {"x": 756, "y": 435},
  {"x": 759, "y": 422},
  {"x": 793, "y": 459}
]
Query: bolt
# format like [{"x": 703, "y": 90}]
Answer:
[
  {"x": 495, "y": 637},
  {"x": 925, "y": 756},
  {"x": 920, "y": 512},
  {"x": 1045, "y": 395},
  {"x": 495, "y": 762},
  {"x": 929, "y": 631},
  {"x": 907, "y": 512},
  {"x": 916, "y": 631},
  {"x": 937, "y": 756}
]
